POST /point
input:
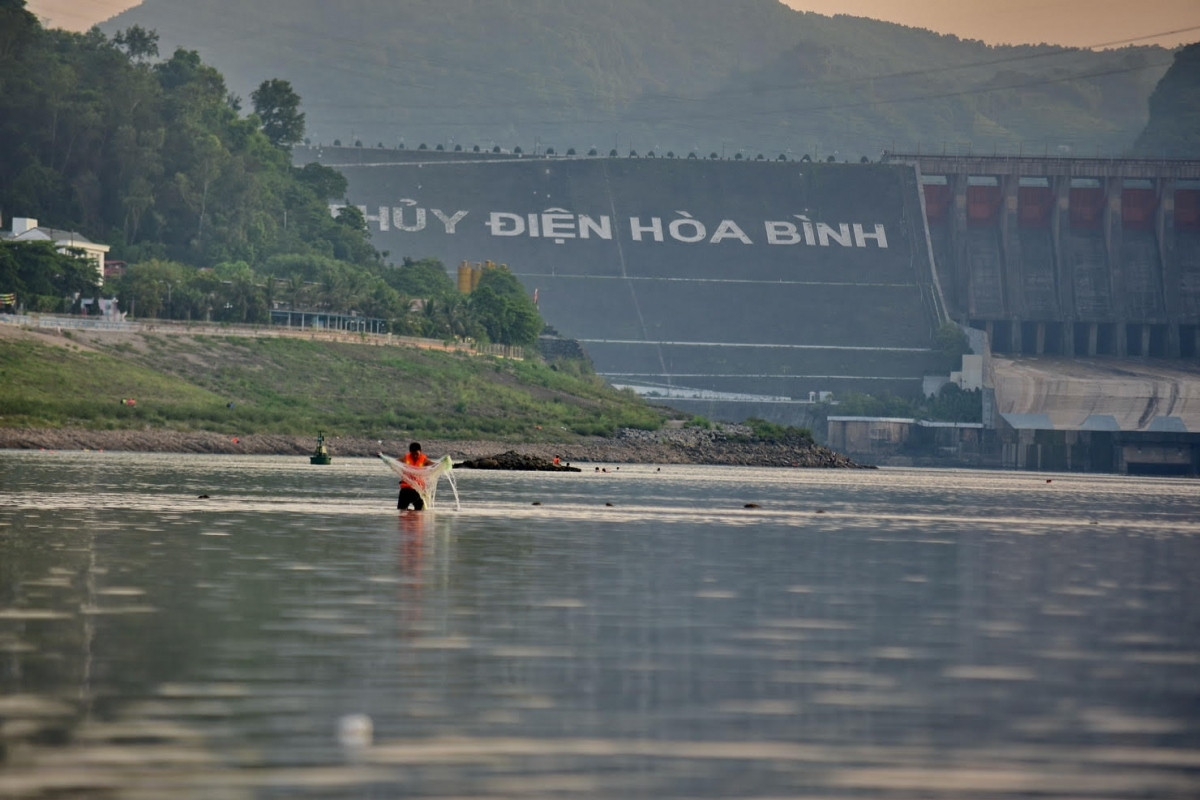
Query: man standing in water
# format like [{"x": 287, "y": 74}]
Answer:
[{"x": 409, "y": 496}]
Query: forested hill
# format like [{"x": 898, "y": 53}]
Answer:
[
  {"x": 734, "y": 77},
  {"x": 1174, "y": 127}
]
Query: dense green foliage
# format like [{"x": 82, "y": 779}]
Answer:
[
  {"x": 954, "y": 404},
  {"x": 297, "y": 386},
  {"x": 41, "y": 277},
  {"x": 773, "y": 432},
  {"x": 155, "y": 159},
  {"x": 952, "y": 343},
  {"x": 748, "y": 77},
  {"x": 1174, "y": 127},
  {"x": 504, "y": 310},
  {"x": 497, "y": 310},
  {"x": 279, "y": 109}
]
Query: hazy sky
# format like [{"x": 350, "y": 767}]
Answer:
[{"x": 1079, "y": 23}]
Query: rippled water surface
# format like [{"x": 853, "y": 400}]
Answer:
[{"x": 637, "y": 632}]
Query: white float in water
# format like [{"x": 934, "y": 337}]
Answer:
[{"x": 355, "y": 730}]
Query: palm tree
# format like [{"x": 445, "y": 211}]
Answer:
[{"x": 295, "y": 287}]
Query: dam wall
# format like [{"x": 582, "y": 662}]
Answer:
[
  {"x": 723, "y": 285},
  {"x": 1068, "y": 257}
]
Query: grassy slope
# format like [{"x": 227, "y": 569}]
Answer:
[{"x": 296, "y": 386}]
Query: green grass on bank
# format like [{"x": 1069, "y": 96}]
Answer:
[
  {"x": 286, "y": 386},
  {"x": 49, "y": 386}
]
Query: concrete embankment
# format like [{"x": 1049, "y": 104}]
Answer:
[{"x": 687, "y": 446}]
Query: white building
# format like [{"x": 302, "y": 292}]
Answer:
[{"x": 26, "y": 229}]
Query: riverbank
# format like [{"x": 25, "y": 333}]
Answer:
[{"x": 723, "y": 447}]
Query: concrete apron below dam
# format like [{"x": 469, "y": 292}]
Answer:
[{"x": 1104, "y": 415}]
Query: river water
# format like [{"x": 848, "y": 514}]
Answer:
[{"x": 634, "y": 632}]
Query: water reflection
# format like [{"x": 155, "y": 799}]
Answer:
[
  {"x": 637, "y": 633},
  {"x": 413, "y": 552}
]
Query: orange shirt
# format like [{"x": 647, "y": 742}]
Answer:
[{"x": 419, "y": 460}]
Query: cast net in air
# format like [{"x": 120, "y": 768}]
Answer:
[{"x": 425, "y": 479}]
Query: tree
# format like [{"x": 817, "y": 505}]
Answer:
[
  {"x": 502, "y": 308},
  {"x": 350, "y": 237},
  {"x": 374, "y": 298},
  {"x": 449, "y": 316},
  {"x": 325, "y": 182},
  {"x": 1173, "y": 130},
  {"x": 954, "y": 404},
  {"x": 506, "y": 319},
  {"x": 157, "y": 161},
  {"x": 39, "y": 269},
  {"x": 243, "y": 292},
  {"x": 148, "y": 289},
  {"x": 425, "y": 278},
  {"x": 278, "y": 108},
  {"x": 137, "y": 42},
  {"x": 952, "y": 342},
  {"x": 17, "y": 26},
  {"x": 297, "y": 291}
]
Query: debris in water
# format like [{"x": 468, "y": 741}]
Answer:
[{"x": 355, "y": 730}]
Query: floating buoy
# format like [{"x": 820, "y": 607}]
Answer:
[{"x": 355, "y": 730}]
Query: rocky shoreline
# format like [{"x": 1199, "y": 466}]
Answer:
[{"x": 729, "y": 446}]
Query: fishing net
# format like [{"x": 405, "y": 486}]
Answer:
[{"x": 425, "y": 479}]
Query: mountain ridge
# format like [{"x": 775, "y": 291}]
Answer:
[{"x": 753, "y": 76}]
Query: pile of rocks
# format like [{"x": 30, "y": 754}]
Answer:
[
  {"x": 731, "y": 445},
  {"x": 513, "y": 460}
]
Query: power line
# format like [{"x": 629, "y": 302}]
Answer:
[
  {"x": 671, "y": 108},
  {"x": 1009, "y": 59},
  {"x": 326, "y": 35},
  {"x": 708, "y": 99},
  {"x": 919, "y": 98},
  {"x": 809, "y": 109}
]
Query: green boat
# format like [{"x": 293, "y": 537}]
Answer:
[{"x": 321, "y": 454}]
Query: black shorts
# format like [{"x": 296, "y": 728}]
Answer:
[{"x": 410, "y": 496}]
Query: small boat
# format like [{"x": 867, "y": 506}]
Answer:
[{"x": 321, "y": 454}]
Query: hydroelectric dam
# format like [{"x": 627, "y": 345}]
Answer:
[{"x": 738, "y": 288}]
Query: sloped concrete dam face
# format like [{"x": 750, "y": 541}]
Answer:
[{"x": 739, "y": 283}]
